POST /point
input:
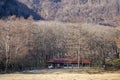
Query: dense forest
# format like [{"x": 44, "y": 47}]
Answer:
[
  {"x": 35, "y": 31},
  {"x": 26, "y": 44}
]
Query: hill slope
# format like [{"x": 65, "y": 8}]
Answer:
[
  {"x": 91, "y": 11},
  {"x": 94, "y": 11},
  {"x": 13, "y": 7}
]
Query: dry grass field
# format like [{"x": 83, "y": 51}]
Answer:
[{"x": 62, "y": 74}]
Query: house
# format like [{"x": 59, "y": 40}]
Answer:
[{"x": 68, "y": 63}]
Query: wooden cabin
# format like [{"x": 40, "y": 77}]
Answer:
[{"x": 68, "y": 63}]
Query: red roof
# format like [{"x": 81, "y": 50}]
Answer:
[{"x": 66, "y": 60}]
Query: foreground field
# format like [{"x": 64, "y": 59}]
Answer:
[{"x": 60, "y": 75}]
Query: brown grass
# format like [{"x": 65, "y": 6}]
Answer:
[{"x": 64, "y": 74}]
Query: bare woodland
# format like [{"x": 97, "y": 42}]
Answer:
[{"x": 25, "y": 44}]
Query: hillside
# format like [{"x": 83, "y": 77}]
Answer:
[
  {"x": 13, "y": 7},
  {"x": 90, "y": 11}
]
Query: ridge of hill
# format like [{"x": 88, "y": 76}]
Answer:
[{"x": 103, "y": 12}]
